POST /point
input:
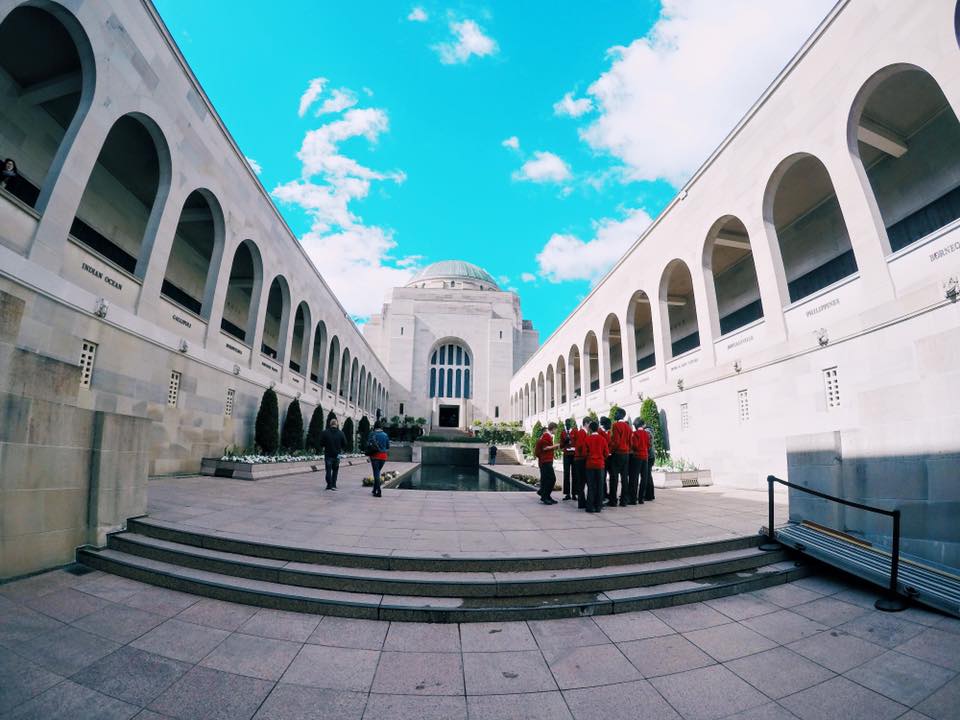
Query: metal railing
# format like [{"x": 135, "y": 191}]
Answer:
[{"x": 894, "y": 600}]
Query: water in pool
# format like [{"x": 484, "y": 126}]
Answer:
[{"x": 455, "y": 477}]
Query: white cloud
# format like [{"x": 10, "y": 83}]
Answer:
[
  {"x": 528, "y": 277},
  {"x": 468, "y": 39},
  {"x": 567, "y": 257},
  {"x": 512, "y": 142},
  {"x": 356, "y": 259},
  {"x": 669, "y": 98},
  {"x": 340, "y": 99},
  {"x": 572, "y": 108},
  {"x": 418, "y": 14},
  {"x": 254, "y": 165},
  {"x": 313, "y": 91},
  {"x": 542, "y": 168}
]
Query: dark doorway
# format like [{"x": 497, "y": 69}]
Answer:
[{"x": 449, "y": 416}]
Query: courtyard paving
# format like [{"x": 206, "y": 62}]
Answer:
[
  {"x": 100, "y": 647},
  {"x": 297, "y": 510}
]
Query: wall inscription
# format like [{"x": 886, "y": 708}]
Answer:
[
  {"x": 943, "y": 252},
  {"x": 269, "y": 367},
  {"x": 740, "y": 341},
  {"x": 825, "y": 306},
  {"x": 182, "y": 321},
  {"x": 99, "y": 274},
  {"x": 234, "y": 348}
]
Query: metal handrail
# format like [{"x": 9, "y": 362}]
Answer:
[{"x": 895, "y": 514}]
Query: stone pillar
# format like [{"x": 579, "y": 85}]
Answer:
[
  {"x": 708, "y": 322},
  {"x": 59, "y": 209},
  {"x": 771, "y": 278},
  {"x": 155, "y": 253}
]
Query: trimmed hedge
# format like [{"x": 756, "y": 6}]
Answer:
[
  {"x": 292, "y": 436},
  {"x": 315, "y": 430},
  {"x": 267, "y": 428}
]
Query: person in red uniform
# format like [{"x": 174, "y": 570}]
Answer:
[
  {"x": 580, "y": 464},
  {"x": 640, "y": 447},
  {"x": 544, "y": 452},
  {"x": 619, "y": 458},
  {"x": 597, "y": 453},
  {"x": 604, "y": 432},
  {"x": 568, "y": 445}
]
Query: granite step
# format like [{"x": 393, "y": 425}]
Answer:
[
  {"x": 476, "y": 584},
  {"x": 298, "y": 598},
  {"x": 430, "y": 561}
]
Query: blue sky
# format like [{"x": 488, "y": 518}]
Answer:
[{"x": 384, "y": 130}]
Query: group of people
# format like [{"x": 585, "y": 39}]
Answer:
[
  {"x": 603, "y": 461},
  {"x": 334, "y": 444}
]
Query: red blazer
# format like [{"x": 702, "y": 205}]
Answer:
[
  {"x": 597, "y": 451},
  {"x": 620, "y": 440},
  {"x": 545, "y": 457},
  {"x": 640, "y": 443},
  {"x": 581, "y": 436}
]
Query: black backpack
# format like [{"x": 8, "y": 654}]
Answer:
[{"x": 373, "y": 447}]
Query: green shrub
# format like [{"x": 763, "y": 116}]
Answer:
[
  {"x": 497, "y": 433},
  {"x": 348, "y": 432},
  {"x": 315, "y": 429},
  {"x": 291, "y": 438},
  {"x": 331, "y": 416},
  {"x": 267, "y": 428},
  {"x": 651, "y": 416}
]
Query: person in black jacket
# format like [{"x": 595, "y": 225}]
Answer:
[{"x": 333, "y": 442}]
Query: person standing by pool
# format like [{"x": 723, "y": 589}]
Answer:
[
  {"x": 333, "y": 442},
  {"x": 597, "y": 453},
  {"x": 544, "y": 452},
  {"x": 377, "y": 445}
]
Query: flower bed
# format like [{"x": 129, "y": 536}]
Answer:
[
  {"x": 257, "y": 467},
  {"x": 666, "y": 478}
]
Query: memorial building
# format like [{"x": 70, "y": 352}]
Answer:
[{"x": 451, "y": 340}]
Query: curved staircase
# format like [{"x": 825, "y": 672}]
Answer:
[{"x": 435, "y": 588}]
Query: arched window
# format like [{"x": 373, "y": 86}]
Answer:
[
  {"x": 678, "y": 306},
  {"x": 44, "y": 92},
  {"x": 246, "y": 278},
  {"x": 907, "y": 137},
  {"x": 591, "y": 358},
  {"x": 333, "y": 364},
  {"x": 298, "y": 347},
  {"x": 562, "y": 379},
  {"x": 345, "y": 373},
  {"x": 576, "y": 387},
  {"x": 551, "y": 388},
  {"x": 728, "y": 265},
  {"x": 276, "y": 319},
  {"x": 319, "y": 353},
  {"x": 450, "y": 371},
  {"x": 188, "y": 276},
  {"x": 128, "y": 183},
  {"x": 614, "y": 347},
  {"x": 640, "y": 327},
  {"x": 812, "y": 234}
]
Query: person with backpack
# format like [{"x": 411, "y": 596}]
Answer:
[
  {"x": 333, "y": 442},
  {"x": 377, "y": 445}
]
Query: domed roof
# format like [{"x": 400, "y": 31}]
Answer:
[{"x": 455, "y": 269}]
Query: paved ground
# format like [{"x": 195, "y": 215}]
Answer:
[
  {"x": 298, "y": 510},
  {"x": 101, "y": 647}
]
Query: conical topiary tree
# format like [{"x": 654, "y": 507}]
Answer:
[
  {"x": 651, "y": 416},
  {"x": 316, "y": 428},
  {"x": 348, "y": 432},
  {"x": 267, "y": 428},
  {"x": 363, "y": 430},
  {"x": 537, "y": 430},
  {"x": 331, "y": 416},
  {"x": 291, "y": 439}
]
